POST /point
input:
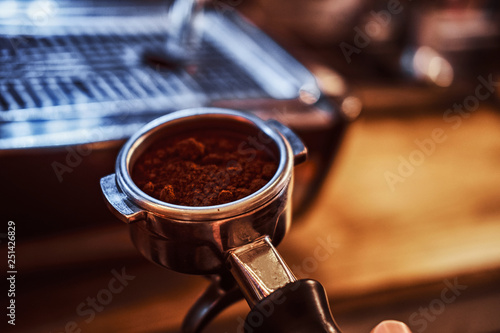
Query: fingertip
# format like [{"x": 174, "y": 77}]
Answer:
[{"x": 391, "y": 326}]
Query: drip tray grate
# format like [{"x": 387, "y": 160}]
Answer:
[{"x": 61, "y": 82}]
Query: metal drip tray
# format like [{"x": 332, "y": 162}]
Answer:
[{"x": 81, "y": 79}]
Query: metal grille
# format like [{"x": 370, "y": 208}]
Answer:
[
  {"x": 47, "y": 71},
  {"x": 61, "y": 82}
]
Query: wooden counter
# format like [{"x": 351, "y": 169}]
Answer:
[{"x": 382, "y": 249}]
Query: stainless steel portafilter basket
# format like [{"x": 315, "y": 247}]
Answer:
[{"x": 233, "y": 242}]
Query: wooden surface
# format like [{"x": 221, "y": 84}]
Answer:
[
  {"x": 443, "y": 220},
  {"x": 390, "y": 251}
]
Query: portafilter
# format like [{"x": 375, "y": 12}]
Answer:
[{"x": 233, "y": 243}]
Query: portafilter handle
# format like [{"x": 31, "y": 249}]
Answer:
[{"x": 279, "y": 302}]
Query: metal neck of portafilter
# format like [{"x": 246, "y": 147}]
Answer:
[{"x": 259, "y": 270}]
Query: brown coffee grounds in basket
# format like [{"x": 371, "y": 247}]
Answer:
[{"x": 204, "y": 168}]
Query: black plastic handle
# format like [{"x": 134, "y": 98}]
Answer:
[{"x": 298, "y": 307}]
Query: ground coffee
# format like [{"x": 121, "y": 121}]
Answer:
[{"x": 204, "y": 168}]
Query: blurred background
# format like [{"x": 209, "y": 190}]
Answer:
[{"x": 398, "y": 102}]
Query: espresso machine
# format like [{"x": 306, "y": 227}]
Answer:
[{"x": 81, "y": 77}]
